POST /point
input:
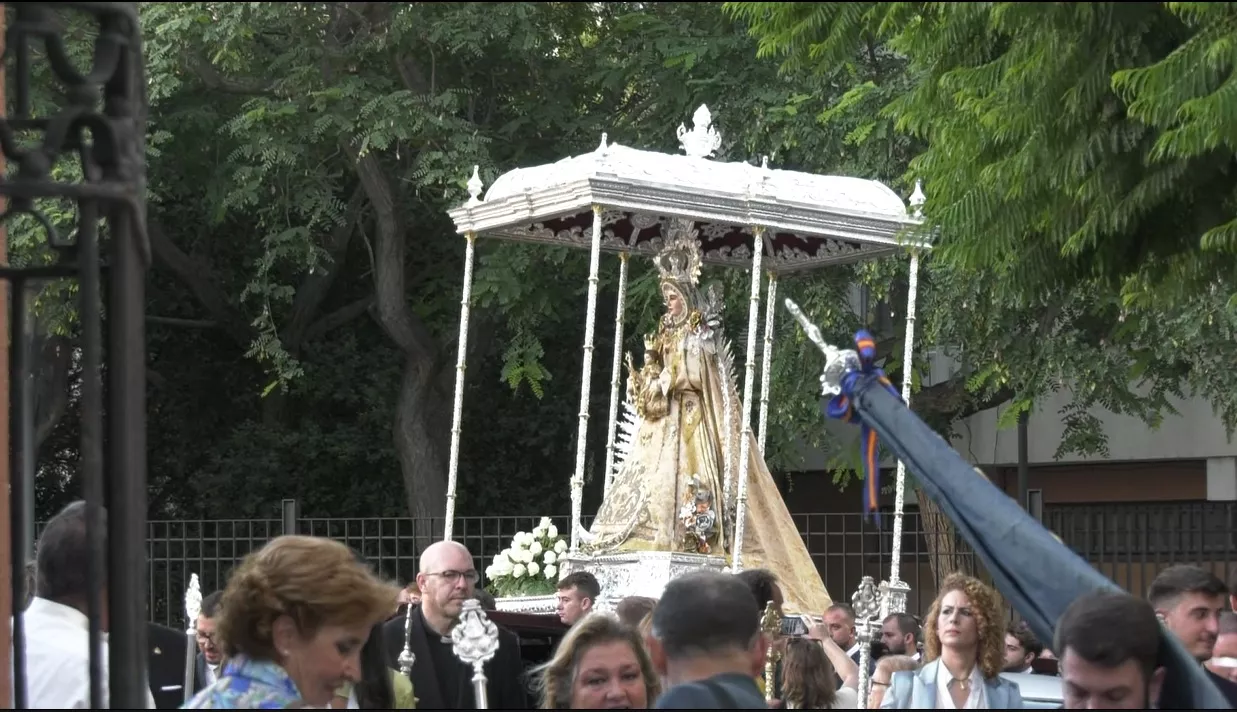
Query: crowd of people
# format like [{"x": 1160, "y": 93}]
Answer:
[{"x": 304, "y": 623}]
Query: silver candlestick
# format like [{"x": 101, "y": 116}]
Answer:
[
  {"x": 193, "y": 608},
  {"x": 866, "y": 604},
  {"x": 838, "y": 362},
  {"x": 476, "y": 642},
  {"x": 406, "y": 658}
]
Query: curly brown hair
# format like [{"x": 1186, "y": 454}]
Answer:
[
  {"x": 991, "y": 652},
  {"x": 555, "y": 679},
  {"x": 807, "y": 676},
  {"x": 314, "y": 581}
]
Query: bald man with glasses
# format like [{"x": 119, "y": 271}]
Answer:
[{"x": 447, "y": 578}]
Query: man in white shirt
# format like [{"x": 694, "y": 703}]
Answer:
[{"x": 57, "y": 638}]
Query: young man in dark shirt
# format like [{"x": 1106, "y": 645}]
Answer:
[
  {"x": 706, "y": 643},
  {"x": 1189, "y": 601}
]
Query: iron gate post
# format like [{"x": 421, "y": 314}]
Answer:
[{"x": 101, "y": 122}]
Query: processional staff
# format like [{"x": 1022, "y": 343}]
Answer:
[
  {"x": 867, "y": 607},
  {"x": 406, "y": 658},
  {"x": 771, "y": 625},
  {"x": 476, "y": 642},
  {"x": 193, "y": 608}
]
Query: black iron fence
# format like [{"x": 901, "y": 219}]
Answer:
[{"x": 1130, "y": 543}]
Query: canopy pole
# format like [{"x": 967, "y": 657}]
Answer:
[
  {"x": 896, "y": 590},
  {"x": 766, "y": 363},
  {"x": 457, "y": 411},
  {"x": 616, "y": 369},
  {"x": 586, "y": 380},
  {"x": 745, "y": 439}
]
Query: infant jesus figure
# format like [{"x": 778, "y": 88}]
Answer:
[{"x": 700, "y": 519}]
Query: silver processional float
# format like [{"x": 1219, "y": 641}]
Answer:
[{"x": 627, "y": 201}]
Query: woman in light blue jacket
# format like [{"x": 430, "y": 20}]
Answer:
[{"x": 964, "y": 650}]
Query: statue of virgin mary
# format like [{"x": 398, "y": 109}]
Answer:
[{"x": 682, "y": 408}]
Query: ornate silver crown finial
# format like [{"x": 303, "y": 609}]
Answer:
[
  {"x": 474, "y": 187},
  {"x": 193, "y": 602},
  {"x": 865, "y": 601},
  {"x": 679, "y": 261},
  {"x": 476, "y": 637},
  {"x": 917, "y": 200},
  {"x": 703, "y": 140}
]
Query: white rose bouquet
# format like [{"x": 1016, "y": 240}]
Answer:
[{"x": 529, "y": 567}]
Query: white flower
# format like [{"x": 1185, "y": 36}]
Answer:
[
  {"x": 552, "y": 532},
  {"x": 518, "y": 572},
  {"x": 545, "y": 523},
  {"x": 560, "y": 546},
  {"x": 489, "y": 572},
  {"x": 500, "y": 567},
  {"x": 551, "y": 572},
  {"x": 533, "y": 568},
  {"x": 502, "y": 556},
  {"x": 521, "y": 540},
  {"x": 550, "y": 557},
  {"x": 535, "y": 548}
]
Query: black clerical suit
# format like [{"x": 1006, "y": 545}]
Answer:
[
  {"x": 166, "y": 659},
  {"x": 441, "y": 681}
]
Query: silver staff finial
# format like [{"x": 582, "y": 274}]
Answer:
[
  {"x": 406, "y": 658},
  {"x": 193, "y": 608},
  {"x": 476, "y": 642},
  {"x": 193, "y": 602},
  {"x": 838, "y": 362}
]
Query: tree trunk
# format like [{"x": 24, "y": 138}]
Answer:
[{"x": 417, "y": 431}]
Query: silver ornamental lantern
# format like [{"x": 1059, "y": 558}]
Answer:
[
  {"x": 193, "y": 608},
  {"x": 476, "y": 642},
  {"x": 867, "y": 607}
]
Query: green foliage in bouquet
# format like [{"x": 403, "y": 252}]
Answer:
[{"x": 529, "y": 567}]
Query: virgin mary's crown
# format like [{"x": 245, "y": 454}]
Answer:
[{"x": 679, "y": 260}]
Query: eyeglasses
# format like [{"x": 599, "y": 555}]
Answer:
[
  {"x": 471, "y": 576},
  {"x": 208, "y": 638}
]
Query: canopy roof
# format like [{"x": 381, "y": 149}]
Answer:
[{"x": 810, "y": 221}]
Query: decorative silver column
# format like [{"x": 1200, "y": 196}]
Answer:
[
  {"x": 745, "y": 439},
  {"x": 457, "y": 412},
  {"x": 895, "y": 591},
  {"x": 867, "y": 606},
  {"x": 616, "y": 370},
  {"x": 766, "y": 363},
  {"x": 586, "y": 380}
]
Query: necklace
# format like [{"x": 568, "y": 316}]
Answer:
[{"x": 963, "y": 682}]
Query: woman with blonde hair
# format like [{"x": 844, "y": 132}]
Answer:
[
  {"x": 294, "y": 618},
  {"x": 964, "y": 646},
  {"x": 601, "y": 663}
]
